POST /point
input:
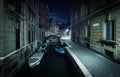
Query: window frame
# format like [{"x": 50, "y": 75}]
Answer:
[{"x": 109, "y": 30}]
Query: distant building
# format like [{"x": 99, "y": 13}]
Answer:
[{"x": 53, "y": 27}]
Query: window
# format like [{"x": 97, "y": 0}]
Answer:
[
  {"x": 88, "y": 31},
  {"x": 29, "y": 36},
  {"x": 110, "y": 30},
  {"x": 17, "y": 38}
]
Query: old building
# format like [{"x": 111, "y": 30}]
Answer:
[
  {"x": 21, "y": 30},
  {"x": 96, "y": 26},
  {"x": 53, "y": 27}
]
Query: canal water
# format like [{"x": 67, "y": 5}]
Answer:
[{"x": 53, "y": 64}]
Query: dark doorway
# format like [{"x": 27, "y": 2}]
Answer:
[
  {"x": 109, "y": 53},
  {"x": 73, "y": 36},
  {"x": 17, "y": 38},
  {"x": 29, "y": 37},
  {"x": 88, "y": 45}
]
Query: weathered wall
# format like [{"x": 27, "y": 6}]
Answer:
[
  {"x": 1, "y": 35},
  {"x": 1, "y": 27},
  {"x": 25, "y": 20},
  {"x": 97, "y": 20},
  {"x": 96, "y": 32}
]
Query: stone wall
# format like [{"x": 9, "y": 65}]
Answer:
[
  {"x": 1, "y": 35},
  {"x": 97, "y": 20},
  {"x": 13, "y": 25},
  {"x": 98, "y": 32},
  {"x": 1, "y": 27},
  {"x": 96, "y": 26}
]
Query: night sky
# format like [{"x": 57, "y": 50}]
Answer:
[{"x": 59, "y": 9}]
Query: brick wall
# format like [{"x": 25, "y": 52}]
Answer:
[
  {"x": 1, "y": 35},
  {"x": 97, "y": 18},
  {"x": 115, "y": 14},
  {"x": 1, "y": 27},
  {"x": 96, "y": 32},
  {"x": 8, "y": 52},
  {"x": 82, "y": 33},
  {"x": 9, "y": 34}
]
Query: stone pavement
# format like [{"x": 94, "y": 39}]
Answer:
[{"x": 93, "y": 63}]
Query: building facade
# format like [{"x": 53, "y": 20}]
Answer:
[
  {"x": 53, "y": 27},
  {"x": 22, "y": 25},
  {"x": 97, "y": 26}
]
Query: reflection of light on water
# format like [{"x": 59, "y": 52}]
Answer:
[{"x": 60, "y": 50}]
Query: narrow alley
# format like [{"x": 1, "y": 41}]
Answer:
[{"x": 59, "y": 38}]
